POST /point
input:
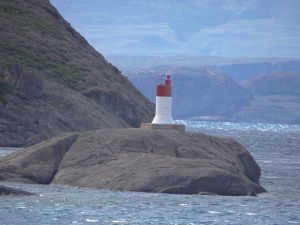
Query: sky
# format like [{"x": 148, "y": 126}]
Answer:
[{"x": 226, "y": 28}]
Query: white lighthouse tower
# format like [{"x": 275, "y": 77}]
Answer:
[{"x": 163, "y": 109}]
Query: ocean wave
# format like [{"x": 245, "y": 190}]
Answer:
[{"x": 209, "y": 125}]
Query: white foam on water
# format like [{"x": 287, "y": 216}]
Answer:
[
  {"x": 91, "y": 221},
  {"x": 200, "y": 125},
  {"x": 251, "y": 214},
  {"x": 119, "y": 221},
  {"x": 231, "y": 211},
  {"x": 7, "y": 150},
  {"x": 213, "y": 212},
  {"x": 84, "y": 213},
  {"x": 267, "y": 161}
]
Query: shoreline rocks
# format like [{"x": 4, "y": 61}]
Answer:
[
  {"x": 144, "y": 160},
  {"x": 12, "y": 191}
]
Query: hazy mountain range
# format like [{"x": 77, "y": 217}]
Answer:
[
  {"x": 253, "y": 28},
  {"x": 206, "y": 93}
]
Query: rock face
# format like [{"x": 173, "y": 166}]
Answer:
[
  {"x": 276, "y": 99},
  {"x": 11, "y": 191},
  {"x": 138, "y": 160},
  {"x": 53, "y": 81}
]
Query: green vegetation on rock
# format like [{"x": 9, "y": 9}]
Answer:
[{"x": 37, "y": 45}]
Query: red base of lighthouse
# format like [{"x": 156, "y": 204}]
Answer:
[{"x": 179, "y": 127}]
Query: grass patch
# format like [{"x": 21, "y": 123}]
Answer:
[
  {"x": 51, "y": 67},
  {"x": 38, "y": 45}
]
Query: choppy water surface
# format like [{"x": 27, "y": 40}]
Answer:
[
  {"x": 5, "y": 151},
  {"x": 275, "y": 147}
]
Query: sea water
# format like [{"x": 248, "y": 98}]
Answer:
[{"x": 275, "y": 147}]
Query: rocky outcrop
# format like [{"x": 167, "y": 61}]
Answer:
[
  {"x": 12, "y": 191},
  {"x": 39, "y": 163},
  {"x": 52, "y": 81},
  {"x": 138, "y": 160}
]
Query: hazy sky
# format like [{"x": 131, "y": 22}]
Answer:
[{"x": 230, "y": 28}]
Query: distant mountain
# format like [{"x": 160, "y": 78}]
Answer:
[
  {"x": 53, "y": 81},
  {"x": 276, "y": 99},
  {"x": 224, "y": 28},
  {"x": 246, "y": 71},
  {"x": 239, "y": 69},
  {"x": 204, "y": 93},
  {"x": 280, "y": 83}
]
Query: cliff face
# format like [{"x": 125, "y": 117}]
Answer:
[
  {"x": 52, "y": 80},
  {"x": 280, "y": 83},
  {"x": 138, "y": 160},
  {"x": 276, "y": 99}
]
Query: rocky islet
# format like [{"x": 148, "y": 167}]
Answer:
[{"x": 144, "y": 160}]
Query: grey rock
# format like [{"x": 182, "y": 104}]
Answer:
[
  {"x": 138, "y": 160},
  {"x": 36, "y": 164},
  {"x": 12, "y": 191}
]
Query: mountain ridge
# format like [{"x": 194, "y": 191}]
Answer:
[
  {"x": 55, "y": 81},
  {"x": 216, "y": 28}
]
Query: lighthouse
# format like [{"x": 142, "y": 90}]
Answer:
[{"x": 163, "y": 108}]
